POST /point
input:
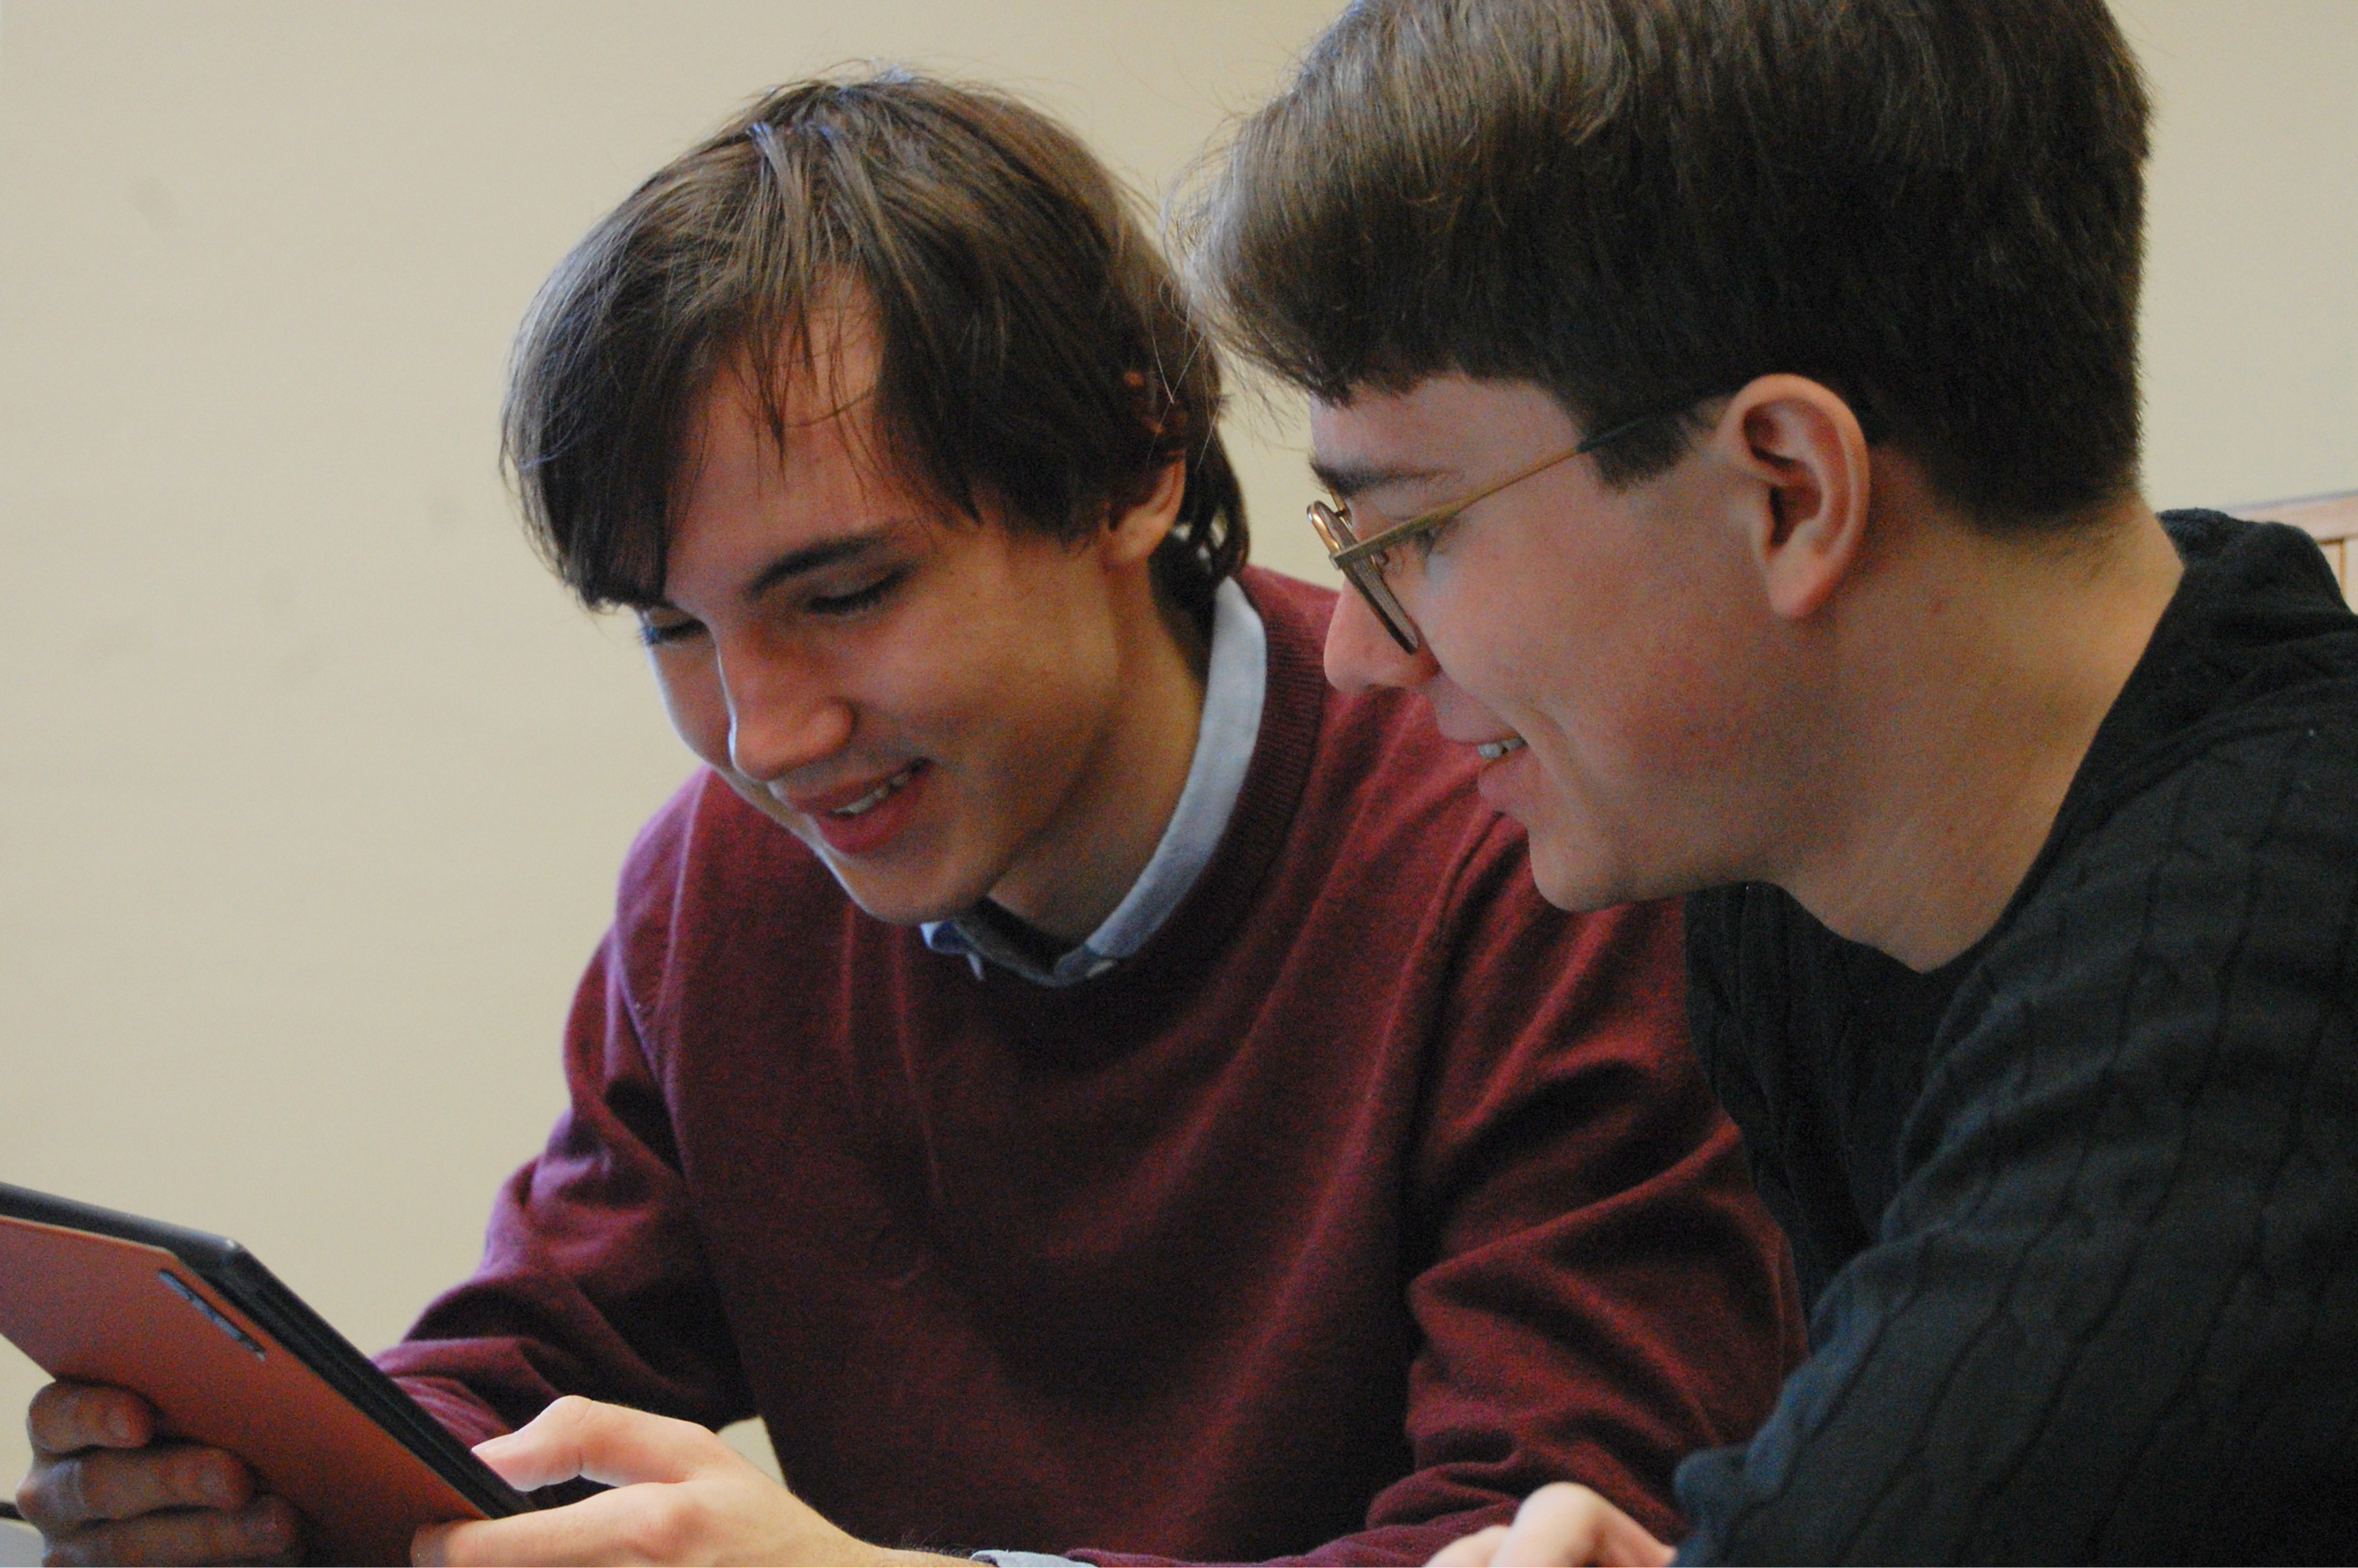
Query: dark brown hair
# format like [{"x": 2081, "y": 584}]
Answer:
[
  {"x": 1933, "y": 206},
  {"x": 1033, "y": 346}
]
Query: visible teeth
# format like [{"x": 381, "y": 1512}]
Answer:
[
  {"x": 875, "y": 797},
  {"x": 1491, "y": 751}
]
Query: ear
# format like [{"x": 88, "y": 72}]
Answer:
[
  {"x": 1132, "y": 536},
  {"x": 1803, "y": 467}
]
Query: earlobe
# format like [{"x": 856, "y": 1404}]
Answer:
[{"x": 1798, "y": 447}]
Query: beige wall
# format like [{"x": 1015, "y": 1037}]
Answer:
[
  {"x": 311, "y": 786},
  {"x": 2251, "y": 319}
]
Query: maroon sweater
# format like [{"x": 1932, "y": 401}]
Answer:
[{"x": 1369, "y": 1195}]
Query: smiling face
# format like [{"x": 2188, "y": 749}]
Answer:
[
  {"x": 944, "y": 709},
  {"x": 1612, "y": 632}
]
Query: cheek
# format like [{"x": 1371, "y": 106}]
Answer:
[
  {"x": 1697, "y": 708},
  {"x": 1641, "y": 671},
  {"x": 1043, "y": 660},
  {"x": 1668, "y": 710},
  {"x": 1039, "y": 715},
  {"x": 1662, "y": 713}
]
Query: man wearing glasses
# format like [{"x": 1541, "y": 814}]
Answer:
[
  {"x": 1733, "y": 439},
  {"x": 1083, "y": 1081}
]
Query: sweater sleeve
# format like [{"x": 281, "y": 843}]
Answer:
[
  {"x": 592, "y": 1280},
  {"x": 2112, "y": 1311}
]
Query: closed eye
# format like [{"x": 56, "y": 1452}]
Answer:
[
  {"x": 1427, "y": 539},
  {"x": 841, "y": 605},
  {"x": 663, "y": 634}
]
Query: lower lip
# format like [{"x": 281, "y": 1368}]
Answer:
[
  {"x": 874, "y": 827},
  {"x": 1496, "y": 776}
]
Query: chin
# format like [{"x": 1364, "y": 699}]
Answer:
[
  {"x": 897, "y": 904},
  {"x": 885, "y": 888},
  {"x": 1578, "y": 883}
]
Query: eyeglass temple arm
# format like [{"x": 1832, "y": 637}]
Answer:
[{"x": 1398, "y": 531}]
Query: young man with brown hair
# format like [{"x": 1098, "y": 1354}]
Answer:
[
  {"x": 1081, "y": 1080},
  {"x": 1730, "y": 409}
]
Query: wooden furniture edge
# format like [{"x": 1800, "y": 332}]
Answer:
[{"x": 2333, "y": 516}]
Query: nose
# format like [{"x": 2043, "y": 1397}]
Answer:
[
  {"x": 783, "y": 713},
  {"x": 1360, "y": 655}
]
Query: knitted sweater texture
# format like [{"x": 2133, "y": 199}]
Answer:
[
  {"x": 2078, "y": 1213},
  {"x": 1368, "y": 1195}
]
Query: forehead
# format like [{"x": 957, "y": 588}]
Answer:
[
  {"x": 822, "y": 374},
  {"x": 796, "y": 415},
  {"x": 780, "y": 458},
  {"x": 1442, "y": 428}
]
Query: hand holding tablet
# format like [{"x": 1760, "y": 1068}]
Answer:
[
  {"x": 257, "y": 1402},
  {"x": 107, "y": 1487}
]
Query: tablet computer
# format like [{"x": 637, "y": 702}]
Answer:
[{"x": 229, "y": 1357}]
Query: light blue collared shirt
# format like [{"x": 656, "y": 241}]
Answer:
[{"x": 1234, "y": 687}]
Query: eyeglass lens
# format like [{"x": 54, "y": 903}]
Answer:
[{"x": 1366, "y": 574}]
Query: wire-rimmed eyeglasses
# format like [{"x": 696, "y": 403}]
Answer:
[{"x": 1363, "y": 560}]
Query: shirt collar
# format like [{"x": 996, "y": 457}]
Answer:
[{"x": 1234, "y": 688}]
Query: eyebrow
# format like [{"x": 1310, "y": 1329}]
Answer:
[
  {"x": 819, "y": 557},
  {"x": 798, "y": 562},
  {"x": 1345, "y": 480}
]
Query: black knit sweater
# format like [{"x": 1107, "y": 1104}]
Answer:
[{"x": 2077, "y": 1214}]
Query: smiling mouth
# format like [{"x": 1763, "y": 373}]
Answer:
[
  {"x": 1491, "y": 751},
  {"x": 877, "y": 797}
]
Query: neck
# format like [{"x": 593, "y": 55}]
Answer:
[
  {"x": 1130, "y": 785},
  {"x": 1948, "y": 785}
]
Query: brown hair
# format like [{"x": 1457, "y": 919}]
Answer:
[
  {"x": 1034, "y": 347},
  {"x": 1933, "y": 206}
]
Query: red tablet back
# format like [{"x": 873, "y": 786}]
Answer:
[{"x": 97, "y": 1309}]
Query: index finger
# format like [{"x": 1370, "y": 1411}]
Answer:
[
  {"x": 1469, "y": 1551},
  {"x": 66, "y": 1418},
  {"x": 609, "y": 1444},
  {"x": 1562, "y": 1523}
]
